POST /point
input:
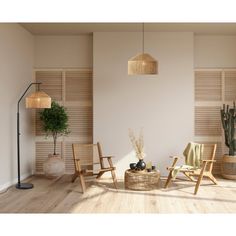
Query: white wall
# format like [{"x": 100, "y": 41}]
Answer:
[
  {"x": 214, "y": 51},
  {"x": 16, "y": 64},
  {"x": 163, "y": 104},
  {"x": 63, "y": 51}
]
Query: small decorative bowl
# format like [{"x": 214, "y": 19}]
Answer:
[{"x": 132, "y": 166}]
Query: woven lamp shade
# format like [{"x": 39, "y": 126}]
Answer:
[
  {"x": 38, "y": 99},
  {"x": 142, "y": 64}
]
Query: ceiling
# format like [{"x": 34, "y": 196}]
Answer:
[{"x": 88, "y": 28}]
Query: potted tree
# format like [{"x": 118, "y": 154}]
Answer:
[
  {"x": 228, "y": 118},
  {"x": 55, "y": 123}
]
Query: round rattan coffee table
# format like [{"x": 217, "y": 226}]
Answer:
[{"x": 141, "y": 180}]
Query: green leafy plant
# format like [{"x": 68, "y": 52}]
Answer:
[{"x": 55, "y": 122}]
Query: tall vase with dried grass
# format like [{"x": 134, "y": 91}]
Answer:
[{"x": 138, "y": 145}]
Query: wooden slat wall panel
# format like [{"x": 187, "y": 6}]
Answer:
[
  {"x": 207, "y": 115},
  {"x": 79, "y": 86},
  {"x": 80, "y": 120},
  {"x": 73, "y": 89},
  {"x": 69, "y": 163},
  {"x": 208, "y": 86},
  {"x": 207, "y": 121},
  {"x": 42, "y": 151},
  {"x": 51, "y": 83},
  {"x": 38, "y": 124},
  {"x": 86, "y": 158},
  {"x": 230, "y": 85},
  {"x": 216, "y": 166}
]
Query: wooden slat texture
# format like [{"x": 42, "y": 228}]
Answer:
[
  {"x": 78, "y": 97},
  {"x": 86, "y": 157},
  {"x": 79, "y": 86},
  {"x": 38, "y": 124},
  {"x": 42, "y": 151},
  {"x": 218, "y": 157},
  {"x": 69, "y": 163},
  {"x": 51, "y": 83},
  {"x": 208, "y": 86},
  {"x": 80, "y": 120},
  {"x": 207, "y": 121},
  {"x": 230, "y": 85}
]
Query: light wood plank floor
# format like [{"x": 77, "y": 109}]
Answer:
[{"x": 62, "y": 196}]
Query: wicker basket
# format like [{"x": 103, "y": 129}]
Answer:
[
  {"x": 141, "y": 180},
  {"x": 228, "y": 167}
]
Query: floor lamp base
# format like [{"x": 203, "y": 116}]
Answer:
[{"x": 24, "y": 186}]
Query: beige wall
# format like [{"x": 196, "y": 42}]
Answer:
[
  {"x": 163, "y": 104},
  {"x": 16, "y": 64},
  {"x": 63, "y": 51},
  {"x": 214, "y": 51}
]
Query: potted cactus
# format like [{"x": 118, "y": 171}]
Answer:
[{"x": 228, "y": 119}]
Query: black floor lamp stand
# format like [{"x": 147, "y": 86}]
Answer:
[{"x": 20, "y": 185}]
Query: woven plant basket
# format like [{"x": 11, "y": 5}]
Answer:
[{"x": 228, "y": 167}]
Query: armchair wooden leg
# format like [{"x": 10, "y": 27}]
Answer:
[
  {"x": 100, "y": 174},
  {"x": 212, "y": 178},
  {"x": 74, "y": 176},
  {"x": 170, "y": 173},
  {"x": 200, "y": 178},
  {"x": 82, "y": 182},
  {"x": 168, "y": 179},
  {"x": 81, "y": 178},
  {"x": 113, "y": 174},
  {"x": 189, "y": 176}
]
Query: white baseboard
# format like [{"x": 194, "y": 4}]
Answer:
[{"x": 10, "y": 183}]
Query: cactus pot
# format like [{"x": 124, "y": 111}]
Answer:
[{"x": 228, "y": 167}]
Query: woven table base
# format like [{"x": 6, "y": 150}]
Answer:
[{"x": 141, "y": 180}]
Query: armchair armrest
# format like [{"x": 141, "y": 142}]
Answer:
[
  {"x": 173, "y": 157},
  {"x": 107, "y": 157},
  {"x": 174, "y": 162},
  {"x": 208, "y": 160}
]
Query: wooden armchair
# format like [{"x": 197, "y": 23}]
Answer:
[
  {"x": 204, "y": 171},
  {"x": 90, "y": 155}
]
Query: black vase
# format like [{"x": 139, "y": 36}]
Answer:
[
  {"x": 132, "y": 166},
  {"x": 141, "y": 165}
]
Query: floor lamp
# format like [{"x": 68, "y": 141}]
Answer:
[{"x": 37, "y": 99}]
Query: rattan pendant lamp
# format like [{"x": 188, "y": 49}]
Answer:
[
  {"x": 142, "y": 63},
  {"x": 37, "y": 99}
]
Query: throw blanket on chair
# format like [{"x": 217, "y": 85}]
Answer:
[{"x": 193, "y": 155}]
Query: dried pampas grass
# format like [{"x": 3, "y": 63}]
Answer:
[{"x": 137, "y": 143}]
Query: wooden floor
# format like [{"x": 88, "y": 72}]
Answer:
[{"x": 62, "y": 196}]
